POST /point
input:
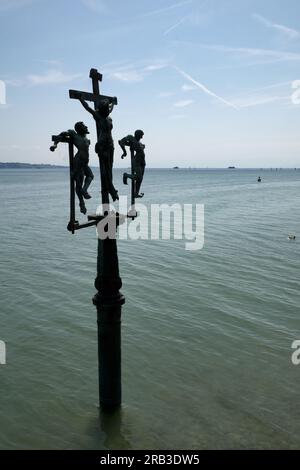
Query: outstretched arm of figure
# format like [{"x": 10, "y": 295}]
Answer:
[
  {"x": 62, "y": 137},
  {"x": 122, "y": 143},
  {"x": 87, "y": 107}
]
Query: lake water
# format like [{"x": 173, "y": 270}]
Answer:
[{"x": 206, "y": 335}]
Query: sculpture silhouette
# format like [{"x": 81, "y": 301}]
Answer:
[
  {"x": 82, "y": 173},
  {"x": 105, "y": 144},
  {"x": 137, "y": 157}
]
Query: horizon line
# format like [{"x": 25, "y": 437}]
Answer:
[{"x": 165, "y": 168}]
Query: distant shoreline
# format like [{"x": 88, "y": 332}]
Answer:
[
  {"x": 48, "y": 166},
  {"x": 16, "y": 165}
]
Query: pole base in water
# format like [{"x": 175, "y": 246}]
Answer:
[
  {"x": 109, "y": 355},
  {"x": 108, "y": 301}
]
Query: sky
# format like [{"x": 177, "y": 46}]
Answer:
[{"x": 212, "y": 83}]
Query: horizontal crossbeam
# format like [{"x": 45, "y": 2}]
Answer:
[
  {"x": 59, "y": 138},
  {"x": 76, "y": 95}
]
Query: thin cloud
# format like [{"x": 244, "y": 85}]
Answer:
[
  {"x": 205, "y": 89},
  {"x": 2, "y": 93},
  {"x": 163, "y": 10},
  {"x": 127, "y": 76},
  {"x": 15, "y": 4},
  {"x": 265, "y": 56},
  {"x": 51, "y": 77},
  {"x": 259, "y": 101},
  {"x": 15, "y": 82},
  {"x": 186, "y": 87},
  {"x": 254, "y": 52},
  {"x": 174, "y": 26},
  {"x": 270, "y": 87},
  {"x": 51, "y": 62},
  {"x": 276, "y": 85},
  {"x": 166, "y": 94},
  {"x": 153, "y": 67},
  {"x": 135, "y": 72},
  {"x": 291, "y": 33},
  {"x": 193, "y": 19},
  {"x": 183, "y": 103},
  {"x": 262, "y": 95},
  {"x": 97, "y": 6},
  {"x": 116, "y": 67}
]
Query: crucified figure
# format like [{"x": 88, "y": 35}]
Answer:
[
  {"x": 137, "y": 150},
  {"x": 105, "y": 144},
  {"x": 82, "y": 175}
]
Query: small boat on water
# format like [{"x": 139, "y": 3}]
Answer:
[
  {"x": 259, "y": 179},
  {"x": 291, "y": 237}
]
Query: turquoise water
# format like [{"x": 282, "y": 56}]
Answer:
[{"x": 206, "y": 334}]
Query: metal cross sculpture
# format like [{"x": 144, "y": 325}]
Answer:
[
  {"x": 108, "y": 299},
  {"x": 103, "y": 105}
]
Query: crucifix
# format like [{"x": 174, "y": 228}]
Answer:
[
  {"x": 108, "y": 299},
  {"x": 103, "y": 106}
]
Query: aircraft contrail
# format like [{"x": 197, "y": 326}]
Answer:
[{"x": 205, "y": 89}]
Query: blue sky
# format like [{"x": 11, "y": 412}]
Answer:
[{"x": 209, "y": 81}]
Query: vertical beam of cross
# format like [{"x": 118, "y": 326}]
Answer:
[
  {"x": 72, "y": 188},
  {"x": 96, "y": 78}
]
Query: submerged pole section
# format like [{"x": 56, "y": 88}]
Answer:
[{"x": 108, "y": 302}]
